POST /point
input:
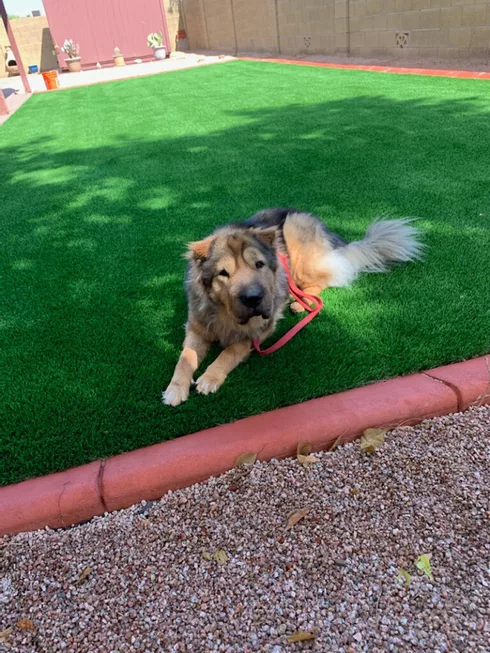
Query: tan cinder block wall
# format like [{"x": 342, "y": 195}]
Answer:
[
  {"x": 34, "y": 40},
  {"x": 256, "y": 26},
  {"x": 219, "y": 24},
  {"x": 422, "y": 29},
  {"x": 432, "y": 28},
  {"x": 306, "y": 26},
  {"x": 195, "y": 23}
]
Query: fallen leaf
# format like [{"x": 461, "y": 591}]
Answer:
[
  {"x": 206, "y": 555},
  {"x": 303, "y": 448},
  {"x": 25, "y": 624},
  {"x": 306, "y": 461},
  {"x": 295, "y": 516},
  {"x": 84, "y": 575},
  {"x": 335, "y": 444},
  {"x": 221, "y": 557},
  {"x": 246, "y": 459},
  {"x": 355, "y": 491},
  {"x": 405, "y": 576},
  {"x": 423, "y": 563},
  {"x": 371, "y": 439},
  {"x": 5, "y": 635},
  {"x": 302, "y": 636}
]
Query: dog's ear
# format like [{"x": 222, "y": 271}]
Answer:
[
  {"x": 266, "y": 236},
  {"x": 199, "y": 249}
]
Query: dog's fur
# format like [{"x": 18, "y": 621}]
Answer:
[{"x": 237, "y": 288}]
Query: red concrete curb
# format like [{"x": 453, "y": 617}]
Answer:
[
  {"x": 469, "y": 380},
  {"x": 433, "y": 72},
  {"x": 77, "y": 494},
  {"x": 56, "y": 500}
]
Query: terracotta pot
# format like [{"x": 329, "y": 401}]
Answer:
[
  {"x": 74, "y": 64},
  {"x": 119, "y": 60}
]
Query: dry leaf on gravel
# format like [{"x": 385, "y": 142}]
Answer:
[
  {"x": 25, "y": 624},
  {"x": 335, "y": 444},
  {"x": 303, "y": 449},
  {"x": 5, "y": 635},
  {"x": 84, "y": 575},
  {"x": 246, "y": 460},
  {"x": 306, "y": 461},
  {"x": 206, "y": 555},
  {"x": 302, "y": 636},
  {"x": 371, "y": 439},
  {"x": 423, "y": 563},
  {"x": 295, "y": 516},
  {"x": 221, "y": 557},
  {"x": 244, "y": 463},
  {"x": 405, "y": 576}
]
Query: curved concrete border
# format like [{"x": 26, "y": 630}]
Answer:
[
  {"x": 433, "y": 72},
  {"x": 78, "y": 494}
]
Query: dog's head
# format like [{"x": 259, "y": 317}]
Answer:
[{"x": 237, "y": 268}]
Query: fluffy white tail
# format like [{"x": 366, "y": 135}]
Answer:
[{"x": 385, "y": 242}]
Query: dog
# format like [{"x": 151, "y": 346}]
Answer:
[{"x": 237, "y": 289}]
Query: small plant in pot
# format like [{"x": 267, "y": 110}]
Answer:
[
  {"x": 73, "y": 61},
  {"x": 155, "y": 42}
]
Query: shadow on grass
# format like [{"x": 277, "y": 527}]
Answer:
[{"x": 93, "y": 302}]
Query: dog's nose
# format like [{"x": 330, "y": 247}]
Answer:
[{"x": 251, "y": 297}]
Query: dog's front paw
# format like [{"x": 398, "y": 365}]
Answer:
[
  {"x": 296, "y": 307},
  {"x": 209, "y": 382},
  {"x": 175, "y": 394}
]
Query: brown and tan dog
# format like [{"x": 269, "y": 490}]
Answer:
[{"x": 237, "y": 289}]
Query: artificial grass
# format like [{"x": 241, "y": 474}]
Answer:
[{"x": 102, "y": 186}]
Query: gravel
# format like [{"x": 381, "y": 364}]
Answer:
[{"x": 146, "y": 585}]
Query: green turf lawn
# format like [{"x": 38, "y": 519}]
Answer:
[{"x": 101, "y": 187}]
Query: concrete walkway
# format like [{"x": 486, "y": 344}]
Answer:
[{"x": 14, "y": 91}]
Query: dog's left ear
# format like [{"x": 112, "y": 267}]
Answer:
[
  {"x": 199, "y": 250},
  {"x": 266, "y": 236}
]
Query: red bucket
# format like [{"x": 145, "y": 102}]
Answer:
[{"x": 51, "y": 79}]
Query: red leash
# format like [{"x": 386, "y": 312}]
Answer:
[{"x": 299, "y": 296}]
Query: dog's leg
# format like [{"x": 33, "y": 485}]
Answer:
[
  {"x": 195, "y": 348},
  {"x": 311, "y": 290},
  {"x": 214, "y": 377}
]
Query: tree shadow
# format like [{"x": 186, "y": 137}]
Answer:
[{"x": 94, "y": 306}]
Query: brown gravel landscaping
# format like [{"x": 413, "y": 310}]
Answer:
[{"x": 214, "y": 568}]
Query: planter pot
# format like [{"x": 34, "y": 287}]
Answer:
[
  {"x": 160, "y": 52},
  {"x": 119, "y": 60},
  {"x": 74, "y": 64}
]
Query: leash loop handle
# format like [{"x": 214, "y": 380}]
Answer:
[{"x": 302, "y": 298}]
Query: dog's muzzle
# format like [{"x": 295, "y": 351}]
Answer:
[{"x": 252, "y": 301}]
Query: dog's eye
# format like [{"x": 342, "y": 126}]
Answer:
[
  {"x": 259, "y": 264},
  {"x": 223, "y": 273}
]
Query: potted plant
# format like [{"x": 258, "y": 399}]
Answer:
[
  {"x": 118, "y": 57},
  {"x": 74, "y": 60},
  {"x": 155, "y": 42}
]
